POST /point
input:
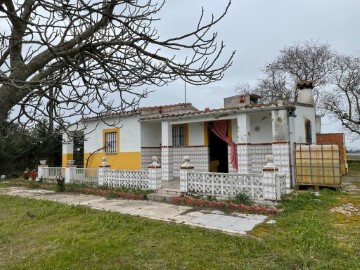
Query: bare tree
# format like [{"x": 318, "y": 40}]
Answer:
[
  {"x": 308, "y": 61},
  {"x": 343, "y": 100},
  {"x": 66, "y": 58}
]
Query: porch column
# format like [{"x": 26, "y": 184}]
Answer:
[
  {"x": 280, "y": 144},
  {"x": 67, "y": 149},
  {"x": 166, "y": 151},
  {"x": 243, "y": 147}
]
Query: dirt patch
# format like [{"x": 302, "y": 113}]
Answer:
[
  {"x": 348, "y": 209},
  {"x": 351, "y": 182}
]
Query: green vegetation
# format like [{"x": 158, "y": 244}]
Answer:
[
  {"x": 354, "y": 165},
  {"x": 243, "y": 198},
  {"x": 22, "y": 148},
  {"x": 307, "y": 235}
]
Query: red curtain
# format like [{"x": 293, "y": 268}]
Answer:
[{"x": 219, "y": 128}]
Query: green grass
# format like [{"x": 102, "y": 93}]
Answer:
[
  {"x": 353, "y": 165},
  {"x": 47, "y": 235}
]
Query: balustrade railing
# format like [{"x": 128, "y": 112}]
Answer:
[
  {"x": 225, "y": 185},
  {"x": 129, "y": 179},
  {"x": 50, "y": 173},
  {"x": 85, "y": 176}
]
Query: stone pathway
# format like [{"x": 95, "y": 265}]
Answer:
[{"x": 235, "y": 223}]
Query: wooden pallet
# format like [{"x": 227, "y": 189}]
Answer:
[{"x": 317, "y": 187}]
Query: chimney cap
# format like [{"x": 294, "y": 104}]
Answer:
[{"x": 304, "y": 84}]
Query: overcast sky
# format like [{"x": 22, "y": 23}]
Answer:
[{"x": 258, "y": 30}]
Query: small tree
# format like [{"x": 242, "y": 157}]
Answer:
[{"x": 343, "y": 100}]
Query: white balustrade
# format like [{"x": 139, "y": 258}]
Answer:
[{"x": 225, "y": 185}]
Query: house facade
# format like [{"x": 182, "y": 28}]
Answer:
[{"x": 232, "y": 139}]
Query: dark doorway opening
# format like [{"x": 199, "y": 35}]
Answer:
[
  {"x": 218, "y": 152},
  {"x": 79, "y": 151}
]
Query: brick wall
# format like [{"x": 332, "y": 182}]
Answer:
[{"x": 334, "y": 138}]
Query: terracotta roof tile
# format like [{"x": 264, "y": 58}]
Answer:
[
  {"x": 188, "y": 106},
  {"x": 209, "y": 111}
]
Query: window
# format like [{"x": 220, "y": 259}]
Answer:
[
  {"x": 110, "y": 142},
  {"x": 179, "y": 135},
  {"x": 308, "y": 137}
]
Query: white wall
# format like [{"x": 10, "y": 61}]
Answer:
[
  {"x": 150, "y": 134},
  {"x": 129, "y": 135},
  {"x": 298, "y": 125},
  {"x": 234, "y": 131},
  {"x": 196, "y": 134},
  {"x": 260, "y": 127}
]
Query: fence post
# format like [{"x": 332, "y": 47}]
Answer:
[
  {"x": 42, "y": 173},
  {"x": 104, "y": 166},
  {"x": 154, "y": 174},
  {"x": 70, "y": 167},
  {"x": 184, "y": 170},
  {"x": 269, "y": 179}
]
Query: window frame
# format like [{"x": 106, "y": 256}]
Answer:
[
  {"x": 115, "y": 139},
  {"x": 179, "y": 135}
]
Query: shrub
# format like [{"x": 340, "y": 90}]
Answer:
[{"x": 243, "y": 198}]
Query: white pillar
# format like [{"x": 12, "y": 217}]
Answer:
[
  {"x": 281, "y": 141},
  {"x": 67, "y": 149},
  {"x": 243, "y": 147},
  {"x": 43, "y": 173},
  {"x": 69, "y": 172},
  {"x": 269, "y": 182},
  {"x": 184, "y": 171},
  {"x": 280, "y": 125},
  {"x": 166, "y": 151},
  {"x": 103, "y": 168},
  {"x": 154, "y": 174}
]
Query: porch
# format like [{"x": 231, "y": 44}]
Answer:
[{"x": 241, "y": 145}]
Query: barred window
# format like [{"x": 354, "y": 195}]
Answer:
[
  {"x": 178, "y": 135},
  {"x": 110, "y": 142}
]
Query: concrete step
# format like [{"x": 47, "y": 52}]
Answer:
[
  {"x": 160, "y": 197},
  {"x": 170, "y": 191},
  {"x": 164, "y": 195}
]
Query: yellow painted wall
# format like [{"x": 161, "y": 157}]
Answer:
[
  {"x": 206, "y": 134},
  {"x": 119, "y": 161},
  {"x": 65, "y": 158}
]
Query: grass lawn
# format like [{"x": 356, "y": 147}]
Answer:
[{"x": 307, "y": 235}]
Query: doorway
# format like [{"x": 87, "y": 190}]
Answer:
[{"x": 218, "y": 153}]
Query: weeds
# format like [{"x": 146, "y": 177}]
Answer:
[{"x": 243, "y": 198}]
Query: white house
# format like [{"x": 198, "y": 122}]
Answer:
[{"x": 235, "y": 138}]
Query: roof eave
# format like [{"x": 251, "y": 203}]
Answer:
[{"x": 217, "y": 114}]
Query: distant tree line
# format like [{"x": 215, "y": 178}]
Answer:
[{"x": 22, "y": 148}]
